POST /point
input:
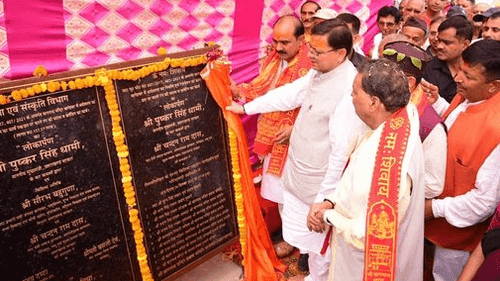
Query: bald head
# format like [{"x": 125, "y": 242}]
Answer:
[
  {"x": 413, "y": 8},
  {"x": 389, "y": 39},
  {"x": 292, "y": 23}
]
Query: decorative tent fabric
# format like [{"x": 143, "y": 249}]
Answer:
[{"x": 71, "y": 34}]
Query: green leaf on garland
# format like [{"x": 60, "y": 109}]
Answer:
[
  {"x": 400, "y": 57},
  {"x": 389, "y": 52},
  {"x": 416, "y": 62}
]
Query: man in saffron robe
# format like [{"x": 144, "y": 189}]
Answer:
[
  {"x": 460, "y": 215},
  {"x": 377, "y": 211},
  {"x": 286, "y": 62}
]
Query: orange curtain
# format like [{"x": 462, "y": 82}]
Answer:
[{"x": 260, "y": 258}]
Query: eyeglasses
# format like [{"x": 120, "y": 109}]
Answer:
[{"x": 316, "y": 52}]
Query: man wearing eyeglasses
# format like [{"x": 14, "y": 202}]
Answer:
[{"x": 325, "y": 130}]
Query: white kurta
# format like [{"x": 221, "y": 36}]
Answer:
[
  {"x": 351, "y": 201},
  {"x": 323, "y": 133}
]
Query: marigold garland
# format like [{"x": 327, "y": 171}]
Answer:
[
  {"x": 238, "y": 195},
  {"x": 105, "y": 78}
]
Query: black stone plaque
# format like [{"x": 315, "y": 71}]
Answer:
[
  {"x": 61, "y": 214},
  {"x": 179, "y": 159}
]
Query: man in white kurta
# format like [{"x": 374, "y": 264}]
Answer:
[
  {"x": 351, "y": 201},
  {"x": 347, "y": 206},
  {"x": 325, "y": 129}
]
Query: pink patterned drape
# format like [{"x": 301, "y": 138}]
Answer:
[{"x": 71, "y": 34}]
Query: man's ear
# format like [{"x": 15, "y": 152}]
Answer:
[
  {"x": 412, "y": 82},
  {"x": 355, "y": 38},
  {"x": 301, "y": 38},
  {"x": 465, "y": 44},
  {"x": 495, "y": 87}
]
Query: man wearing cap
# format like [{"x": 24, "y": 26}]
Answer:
[
  {"x": 479, "y": 8},
  {"x": 456, "y": 11},
  {"x": 324, "y": 14},
  {"x": 454, "y": 36},
  {"x": 412, "y": 60},
  {"x": 307, "y": 11},
  {"x": 490, "y": 23},
  {"x": 457, "y": 219},
  {"x": 286, "y": 62},
  {"x": 416, "y": 30},
  {"x": 388, "y": 22},
  {"x": 467, "y": 5},
  {"x": 323, "y": 133}
]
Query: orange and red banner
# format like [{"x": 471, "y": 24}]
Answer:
[{"x": 382, "y": 214}]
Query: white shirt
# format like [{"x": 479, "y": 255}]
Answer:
[
  {"x": 479, "y": 203},
  {"x": 435, "y": 151},
  {"x": 376, "y": 43},
  {"x": 343, "y": 127}
]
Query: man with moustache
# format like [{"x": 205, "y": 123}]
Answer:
[
  {"x": 457, "y": 219},
  {"x": 490, "y": 23},
  {"x": 454, "y": 36},
  {"x": 307, "y": 11},
  {"x": 286, "y": 62},
  {"x": 323, "y": 133},
  {"x": 388, "y": 22}
]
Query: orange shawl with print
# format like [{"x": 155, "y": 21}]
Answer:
[{"x": 271, "y": 123}]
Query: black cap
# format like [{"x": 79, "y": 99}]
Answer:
[
  {"x": 410, "y": 58},
  {"x": 456, "y": 11},
  {"x": 488, "y": 13}
]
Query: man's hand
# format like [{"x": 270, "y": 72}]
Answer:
[
  {"x": 315, "y": 217},
  {"x": 428, "y": 209},
  {"x": 235, "y": 108},
  {"x": 235, "y": 90},
  {"x": 283, "y": 136},
  {"x": 431, "y": 90}
]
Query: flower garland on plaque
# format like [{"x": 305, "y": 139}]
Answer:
[
  {"x": 238, "y": 195},
  {"x": 105, "y": 78}
]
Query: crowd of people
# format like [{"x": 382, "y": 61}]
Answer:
[{"x": 372, "y": 156}]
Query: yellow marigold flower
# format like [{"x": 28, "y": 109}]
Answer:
[
  {"x": 72, "y": 85},
  {"x": 24, "y": 93},
  {"x": 79, "y": 83},
  {"x": 3, "y": 99},
  {"x": 44, "y": 87},
  {"x": 64, "y": 85},
  {"x": 16, "y": 95},
  {"x": 53, "y": 86},
  {"x": 37, "y": 88},
  {"x": 161, "y": 51},
  {"x": 40, "y": 71},
  {"x": 123, "y": 154},
  {"x": 123, "y": 161},
  {"x": 130, "y": 201},
  {"x": 31, "y": 91},
  {"x": 89, "y": 81}
]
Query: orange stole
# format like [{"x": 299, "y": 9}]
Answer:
[
  {"x": 382, "y": 214},
  {"x": 271, "y": 123},
  {"x": 260, "y": 258}
]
